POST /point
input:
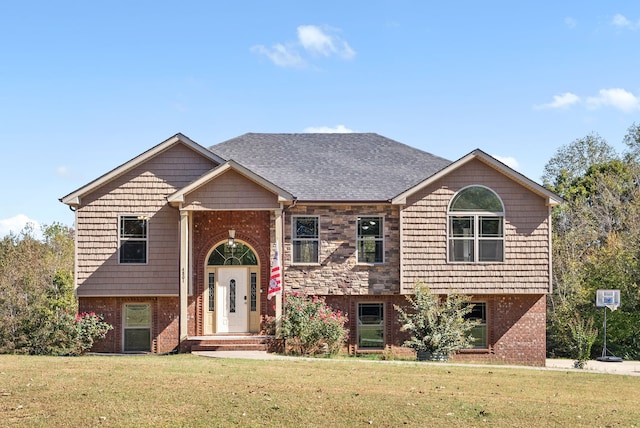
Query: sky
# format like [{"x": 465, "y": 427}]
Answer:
[{"x": 87, "y": 86}]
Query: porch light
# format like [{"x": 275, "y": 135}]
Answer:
[{"x": 232, "y": 237}]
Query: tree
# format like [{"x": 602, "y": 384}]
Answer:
[
  {"x": 632, "y": 141},
  {"x": 37, "y": 303},
  {"x": 572, "y": 161},
  {"x": 596, "y": 233},
  {"x": 438, "y": 327}
]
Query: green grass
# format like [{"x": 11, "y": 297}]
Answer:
[{"x": 186, "y": 390}]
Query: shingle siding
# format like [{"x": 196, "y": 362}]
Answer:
[
  {"x": 231, "y": 189},
  {"x": 424, "y": 227},
  {"x": 142, "y": 190}
]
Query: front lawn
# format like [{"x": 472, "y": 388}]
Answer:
[{"x": 186, "y": 390}]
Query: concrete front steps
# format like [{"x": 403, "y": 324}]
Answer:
[{"x": 231, "y": 342}]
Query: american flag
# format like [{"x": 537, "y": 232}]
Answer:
[{"x": 275, "y": 282}]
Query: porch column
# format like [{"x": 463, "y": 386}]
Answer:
[
  {"x": 280, "y": 240},
  {"x": 185, "y": 277}
]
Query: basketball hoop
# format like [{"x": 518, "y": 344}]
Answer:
[{"x": 607, "y": 299}]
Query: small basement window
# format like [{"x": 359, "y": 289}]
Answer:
[
  {"x": 370, "y": 325},
  {"x": 479, "y": 332},
  {"x": 137, "y": 327}
]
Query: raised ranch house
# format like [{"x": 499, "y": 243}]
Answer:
[{"x": 174, "y": 247}]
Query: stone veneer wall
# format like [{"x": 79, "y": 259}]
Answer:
[{"x": 338, "y": 272}]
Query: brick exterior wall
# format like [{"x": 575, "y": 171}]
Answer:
[
  {"x": 516, "y": 328},
  {"x": 164, "y": 325},
  {"x": 210, "y": 228}
]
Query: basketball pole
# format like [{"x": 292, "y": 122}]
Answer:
[{"x": 604, "y": 326}]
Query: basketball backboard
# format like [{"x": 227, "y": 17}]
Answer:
[{"x": 608, "y": 298}]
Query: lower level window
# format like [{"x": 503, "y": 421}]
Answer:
[
  {"x": 370, "y": 325},
  {"x": 479, "y": 332},
  {"x": 137, "y": 327}
]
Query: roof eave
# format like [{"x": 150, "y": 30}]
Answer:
[
  {"x": 178, "y": 197},
  {"x": 74, "y": 198},
  {"x": 551, "y": 198}
]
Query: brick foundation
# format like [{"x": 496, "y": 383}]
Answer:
[
  {"x": 516, "y": 328},
  {"x": 164, "y": 325}
]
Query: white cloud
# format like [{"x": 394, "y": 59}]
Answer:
[
  {"x": 570, "y": 22},
  {"x": 621, "y": 21},
  {"x": 311, "y": 40},
  {"x": 617, "y": 98},
  {"x": 63, "y": 171},
  {"x": 338, "y": 129},
  {"x": 15, "y": 225},
  {"x": 281, "y": 55},
  {"x": 511, "y": 162},
  {"x": 562, "y": 101},
  {"x": 316, "y": 40}
]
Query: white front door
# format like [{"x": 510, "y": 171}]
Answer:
[{"x": 231, "y": 300}]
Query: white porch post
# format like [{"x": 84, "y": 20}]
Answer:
[
  {"x": 185, "y": 277},
  {"x": 279, "y": 297}
]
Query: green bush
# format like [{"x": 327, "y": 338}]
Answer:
[
  {"x": 583, "y": 335},
  {"x": 438, "y": 327},
  {"x": 311, "y": 327}
]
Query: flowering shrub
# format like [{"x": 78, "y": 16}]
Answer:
[
  {"x": 89, "y": 328},
  {"x": 311, "y": 326}
]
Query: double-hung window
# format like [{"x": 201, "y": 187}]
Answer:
[
  {"x": 371, "y": 325},
  {"x": 479, "y": 331},
  {"x": 137, "y": 327},
  {"x": 133, "y": 239},
  {"x": 476, "y": 226},
  {"x": 305, "y": 240},
  {"x": 370, "y": 240}
]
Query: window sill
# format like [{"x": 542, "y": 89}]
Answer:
[
  {"x": 499, "y": 262},
  {"x": 475, "y": 351}
]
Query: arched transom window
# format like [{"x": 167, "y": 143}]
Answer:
[
  {"x": 238, "y": 254},
  {"x": 476, "y": 226}
]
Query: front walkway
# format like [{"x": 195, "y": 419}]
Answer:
[{"x": 631, "y": 368}]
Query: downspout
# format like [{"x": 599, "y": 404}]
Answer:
[
  {"x": 550, "y": 241},
  {"x": 401, "y": 244},
  {"x": 75, "y": 250}
]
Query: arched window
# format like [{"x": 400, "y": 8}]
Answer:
[
  {"x": 238, "y": 254},
  {"x": 476, "y": 226}
]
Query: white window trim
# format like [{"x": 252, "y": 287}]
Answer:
[
  {"x": 476, "y": 238},
  {"x": 121, "y": 240},
  {"x": 381, "y": 239},
  {"x": 295, "y": 239}
]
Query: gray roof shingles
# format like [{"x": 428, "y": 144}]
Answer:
[{"x": 333, "y": 167}]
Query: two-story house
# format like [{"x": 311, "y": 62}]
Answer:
[{"x": 175, "y": 246}]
